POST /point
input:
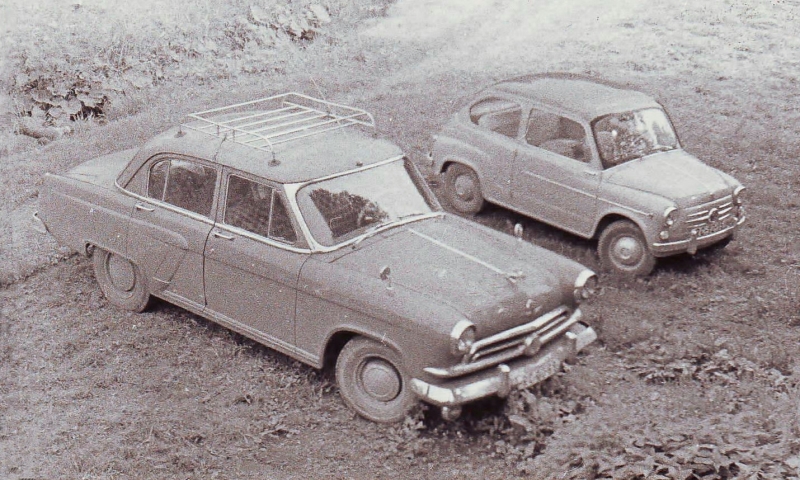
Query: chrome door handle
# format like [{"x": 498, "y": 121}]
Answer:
[
  {"x": 590, "y": 173},
  {"x": 219, "y": 234},
  {"x": 145, "y": 208}
]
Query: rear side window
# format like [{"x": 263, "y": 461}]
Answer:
[
  {"x": 183, "y": 183},
  {"x": 498, "y": 115},
  {"x": 259, "y": 209},
  {"x": 557, "y": 134}
]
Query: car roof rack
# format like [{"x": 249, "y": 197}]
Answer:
[{"x": 270, "y": 121}]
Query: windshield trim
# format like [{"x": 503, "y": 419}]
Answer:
[{"x": 291, "y": 190}]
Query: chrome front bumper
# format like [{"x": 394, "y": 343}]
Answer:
[
  {"x": 521, "y": 372},
  {"x": 693, "y": 243}
]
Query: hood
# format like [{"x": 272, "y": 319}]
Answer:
[
  {"x": 675, "y": 175},
  {"x": 464, "y": 266}
]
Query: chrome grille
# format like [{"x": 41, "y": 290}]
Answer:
[
  {"x": 719, "y": 210},
  {"x": 512, "y": 343},
  {"x": 545, "y": 327}
]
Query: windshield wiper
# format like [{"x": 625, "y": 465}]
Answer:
[
  {"x": 407, "y": 218},
  {"x": 369, "y": 233},
  {"x": 416, "y": 214},
  {"x": 661, "y": 148}
]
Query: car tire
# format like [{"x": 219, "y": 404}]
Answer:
[
  {"x": 120, "y": 280},
  {"x": 623, "y": 249},
  {"x": 462, "y": 187},
  {"x": 372, "y": 381}
]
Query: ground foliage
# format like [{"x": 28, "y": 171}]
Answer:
[{"x": 107, "y": 56}]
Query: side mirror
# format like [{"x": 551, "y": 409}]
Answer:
[{"x": 386, "y": 275}]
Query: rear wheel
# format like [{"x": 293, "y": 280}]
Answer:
[
  {"x": 463, "y": 188},
  {"x": 372, "y": 382},
  {"x": 623, "y": 248},
  {"x": 120, "y": 280}
]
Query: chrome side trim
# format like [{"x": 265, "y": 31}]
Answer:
[
  {"x": 625, "y": 207},
  {"x": 241, "y": 328},
  {"x": 573, "y": 189}
]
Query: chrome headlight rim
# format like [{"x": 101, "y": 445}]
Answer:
[
  {"x": 737, "y": 195},
  {"x": 585, "y": 286},
  {"x": 462, "y": 337},
  {"x": 670, "y": 216}
]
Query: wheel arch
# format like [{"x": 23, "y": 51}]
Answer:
[
  {"x": 90, "y": 246},
  {"x": 450, "y": 161},
  {"x": 612, "y": 217},
  {"x": 339, "y": 338}
]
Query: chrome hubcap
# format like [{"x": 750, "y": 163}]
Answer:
[
  {"x": 627, "y": 250},
  {"x": 380, "y": 380},
  {"x": 465, "y": 187},
  {"x": 121, "y": 273}
]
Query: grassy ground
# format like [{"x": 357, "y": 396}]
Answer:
[{"x": 695, "y": 374}]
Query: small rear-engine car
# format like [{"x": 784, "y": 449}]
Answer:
[
  {"x": 595, "y": 160},
  {"x": 287, "y": 220}
]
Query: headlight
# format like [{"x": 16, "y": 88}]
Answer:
[
  {"x": 462, "y": 337},
  {"x": 670, "y": 216},
  {"x": 737, "y": 195},
  {"x": 585, "y": 286}
]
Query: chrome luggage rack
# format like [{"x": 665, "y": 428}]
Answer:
[{"x": 270, "y": 121}]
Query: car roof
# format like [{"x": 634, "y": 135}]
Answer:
[
  {"x": 582, "y": 95},
  {"x": 309, "y": 158}
]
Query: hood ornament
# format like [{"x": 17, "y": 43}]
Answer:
[{"x": 515, "y": 275}]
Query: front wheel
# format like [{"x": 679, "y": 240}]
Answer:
[
  {"x": 463, "y": 188},
  {"x": 372, "y": 382},
  {"x": 120, "y": 280},
  {"x": 623, "y": 248}
]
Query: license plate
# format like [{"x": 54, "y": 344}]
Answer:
[
  {"x": 710, "y": 228},
  {"x": 528, "y": 377}
]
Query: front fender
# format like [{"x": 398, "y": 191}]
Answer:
[
  {"x": 450, "y": 148},
  {"x": 332, "y": 299},
  {"x": 645, "y": 209}
]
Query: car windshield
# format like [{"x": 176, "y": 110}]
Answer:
[
  {"x": 625, "y": 136},
  {"x": 342, "y": 208}
]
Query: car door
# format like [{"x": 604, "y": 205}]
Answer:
[
  {"x": 253, "y": 259},
  {"x": 496, "y": 121},
  {"x": 170, "y": 225},
  {"x": 556, "y": 176}
]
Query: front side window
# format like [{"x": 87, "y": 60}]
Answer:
[
  {"x": 183, "y": 183},
  {"x": 498, "y": 115},
  {"x": 622, "y": 137},
  {"x": 557, "y": 134},
  {"x": 344, "y": 207},
  {"x": 259, "y": 209}
]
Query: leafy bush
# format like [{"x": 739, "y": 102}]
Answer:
[{"x": 82, "y": 58}]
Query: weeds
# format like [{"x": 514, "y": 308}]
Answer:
[{"x": 58, "y": 80}]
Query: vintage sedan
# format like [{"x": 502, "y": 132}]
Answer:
[
  {"x": 287, "y": 220},
  {"x": 593, "y": 159}
]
